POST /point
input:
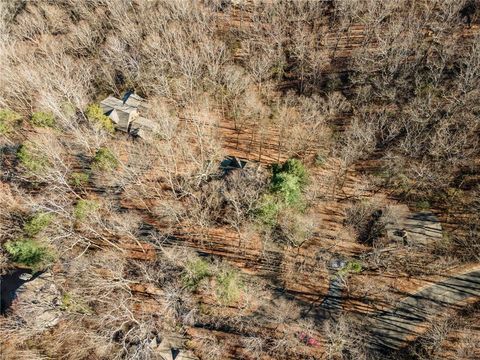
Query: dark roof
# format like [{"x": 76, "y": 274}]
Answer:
[{"x": 232, "y": 162}]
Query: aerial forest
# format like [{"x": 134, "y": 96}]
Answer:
[{"x": 240, "y": 179}]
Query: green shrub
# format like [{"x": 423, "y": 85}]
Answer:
[
  {"x": 42, "y": 119},
  {"x": 95, "y": 115},
  {"x": 423, "y": 205},
  {"x": 288, "y": 181},
  {"x": 32, "y": 160},
  {"x": 268, "y": 209},
  {"x": 293, "y": 167},
  {"x": 29, "y": 252},
  {"x": 229, "y": 286},
  {"x": 8, "y": 120},
  {"x": 37, "y": 223},
  {"x": 195, "y": 271},
  {"x": 71, "y": 304},
  {"x": 78, "y": 179},
  {"x": 104, "y": 159},
  {"x": 351, "y": 267},
  {"x": 84, "y": 208},
  {"x": 286, "y": 186}
]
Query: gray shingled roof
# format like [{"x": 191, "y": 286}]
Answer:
[
  {"x": 137, "y": 102},
  {"x": 124, "y": 113},
  {"x": 110, "y": 103},
  {"x": 142, "y": 126}
]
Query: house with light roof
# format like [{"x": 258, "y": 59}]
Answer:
[{"x": 126, "y": 114}]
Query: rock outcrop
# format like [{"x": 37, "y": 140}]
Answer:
[{"x": 38, "y": 302}]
